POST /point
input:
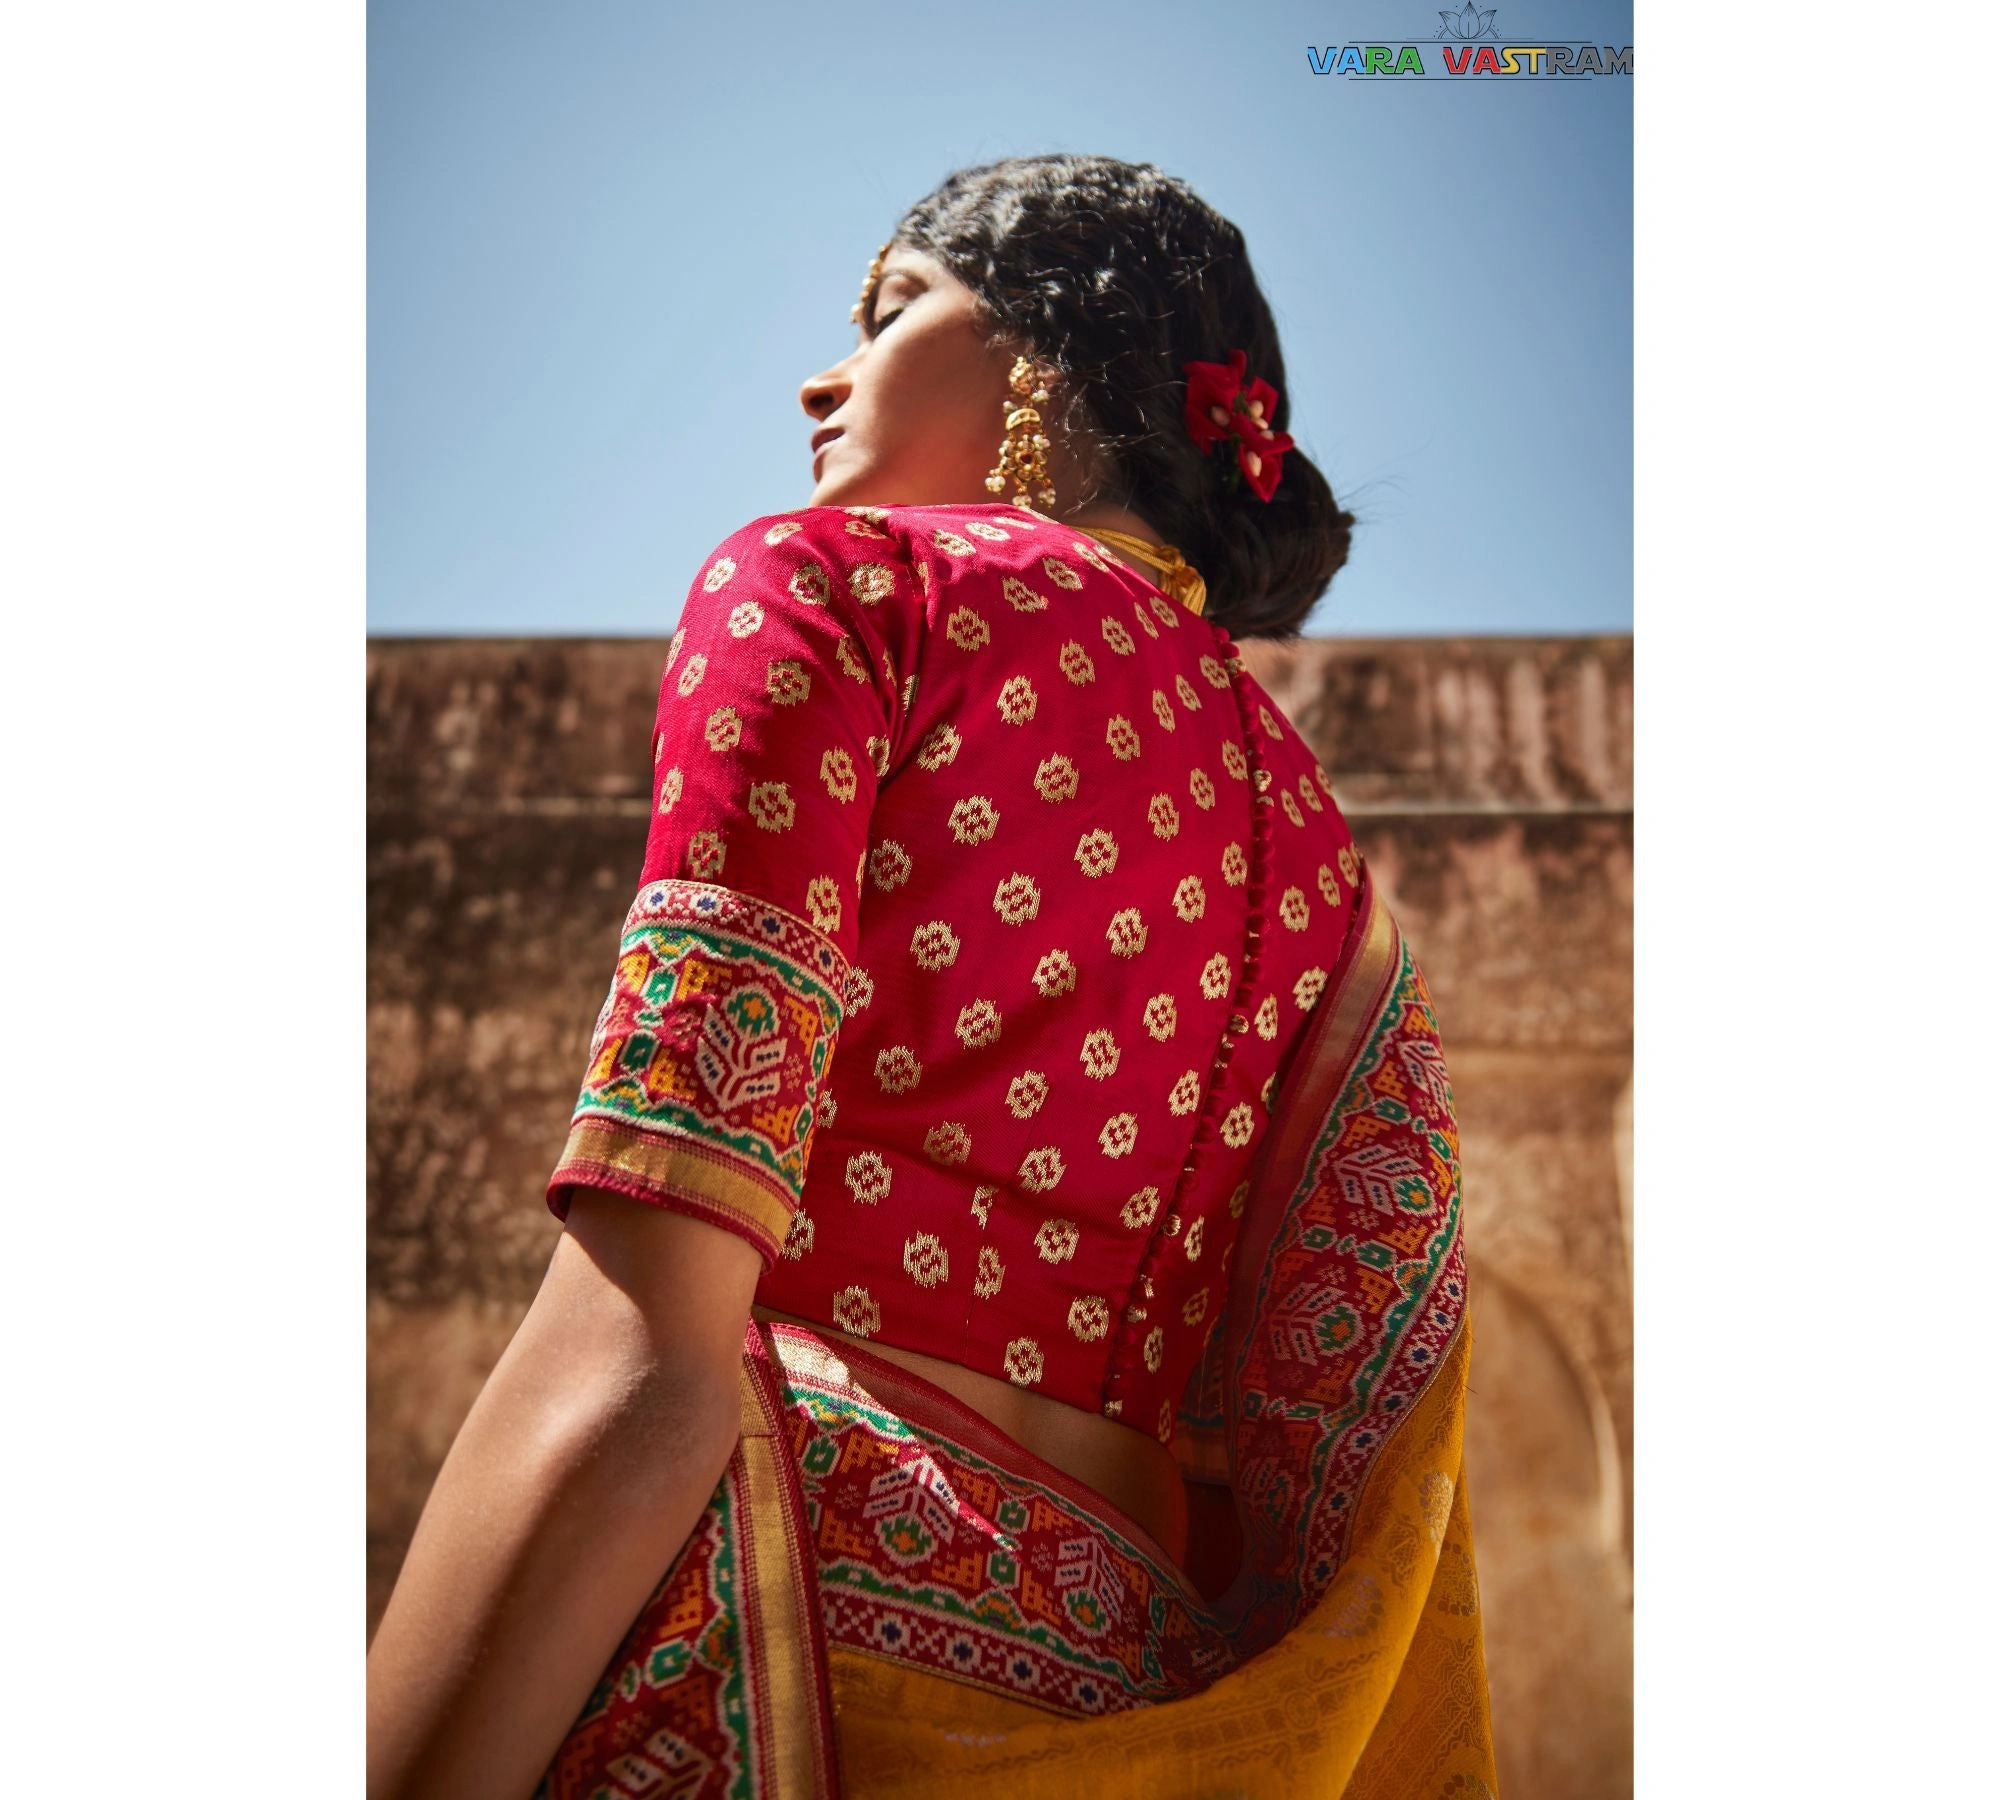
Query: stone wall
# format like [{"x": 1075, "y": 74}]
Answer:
[{"x": 1489, "y": 781}]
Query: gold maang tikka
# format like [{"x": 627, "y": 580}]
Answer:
[
  {"x": 1024, "y": 451},
  {"x": 859, "y": 310}
]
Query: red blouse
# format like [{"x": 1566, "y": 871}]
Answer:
[{"x": 986, "y": 896}]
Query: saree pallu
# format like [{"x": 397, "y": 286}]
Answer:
[{"x": 890, "y": 1596}]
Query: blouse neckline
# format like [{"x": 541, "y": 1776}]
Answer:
[{"x": 1109, "y": 549}]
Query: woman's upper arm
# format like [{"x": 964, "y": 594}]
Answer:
[
  {"x": 646, "y": 1294},
  {"x": 782, "y": 700}
]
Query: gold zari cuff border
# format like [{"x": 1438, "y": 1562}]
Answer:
[{"x": 677, "y": 1169}]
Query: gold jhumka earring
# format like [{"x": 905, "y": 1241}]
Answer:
[{"x": 1024, "y": 451}]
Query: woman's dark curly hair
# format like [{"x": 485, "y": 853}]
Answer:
[{"x": 1116, "y": 274}]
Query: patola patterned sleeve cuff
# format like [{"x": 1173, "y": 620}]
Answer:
[
  {"x": 709, "y": 1061},
  {"x": 780, "y": 705}
]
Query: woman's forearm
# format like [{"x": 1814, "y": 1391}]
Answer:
[{"x": 570, "y": 1489}]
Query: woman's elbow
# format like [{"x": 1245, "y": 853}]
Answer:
[
  {"x": 653, "y": 1414},
  {"x": 678, "y": 1411}
]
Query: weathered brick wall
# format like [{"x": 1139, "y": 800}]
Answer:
[{"x": 1489, "y": 780}]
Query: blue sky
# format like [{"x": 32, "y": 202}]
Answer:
[{"x": 607, "y": 243}]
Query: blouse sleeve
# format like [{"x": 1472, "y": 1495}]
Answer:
[{"x": 782, "y": 702}]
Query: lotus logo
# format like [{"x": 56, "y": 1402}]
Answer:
[{"x": 1467, "y": 23}]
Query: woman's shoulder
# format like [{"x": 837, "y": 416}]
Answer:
[
  {"x": 852, "y": 561},
  {"x": 873, "y": 554},
  {"x": 987, "y": 521},
  {"x": 841, "y": 530},
  {"x": 1292, "y": 775}
]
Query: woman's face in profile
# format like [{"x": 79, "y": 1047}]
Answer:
[{"x": 918, "y": 404}]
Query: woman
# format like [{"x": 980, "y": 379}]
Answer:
[{"x": 1012, "y": 1280}]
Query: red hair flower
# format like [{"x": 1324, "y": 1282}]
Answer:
[{"x": 1222, "y": 406}]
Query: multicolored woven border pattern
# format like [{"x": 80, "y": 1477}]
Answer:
[{"x": 709, "y": 1060}]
